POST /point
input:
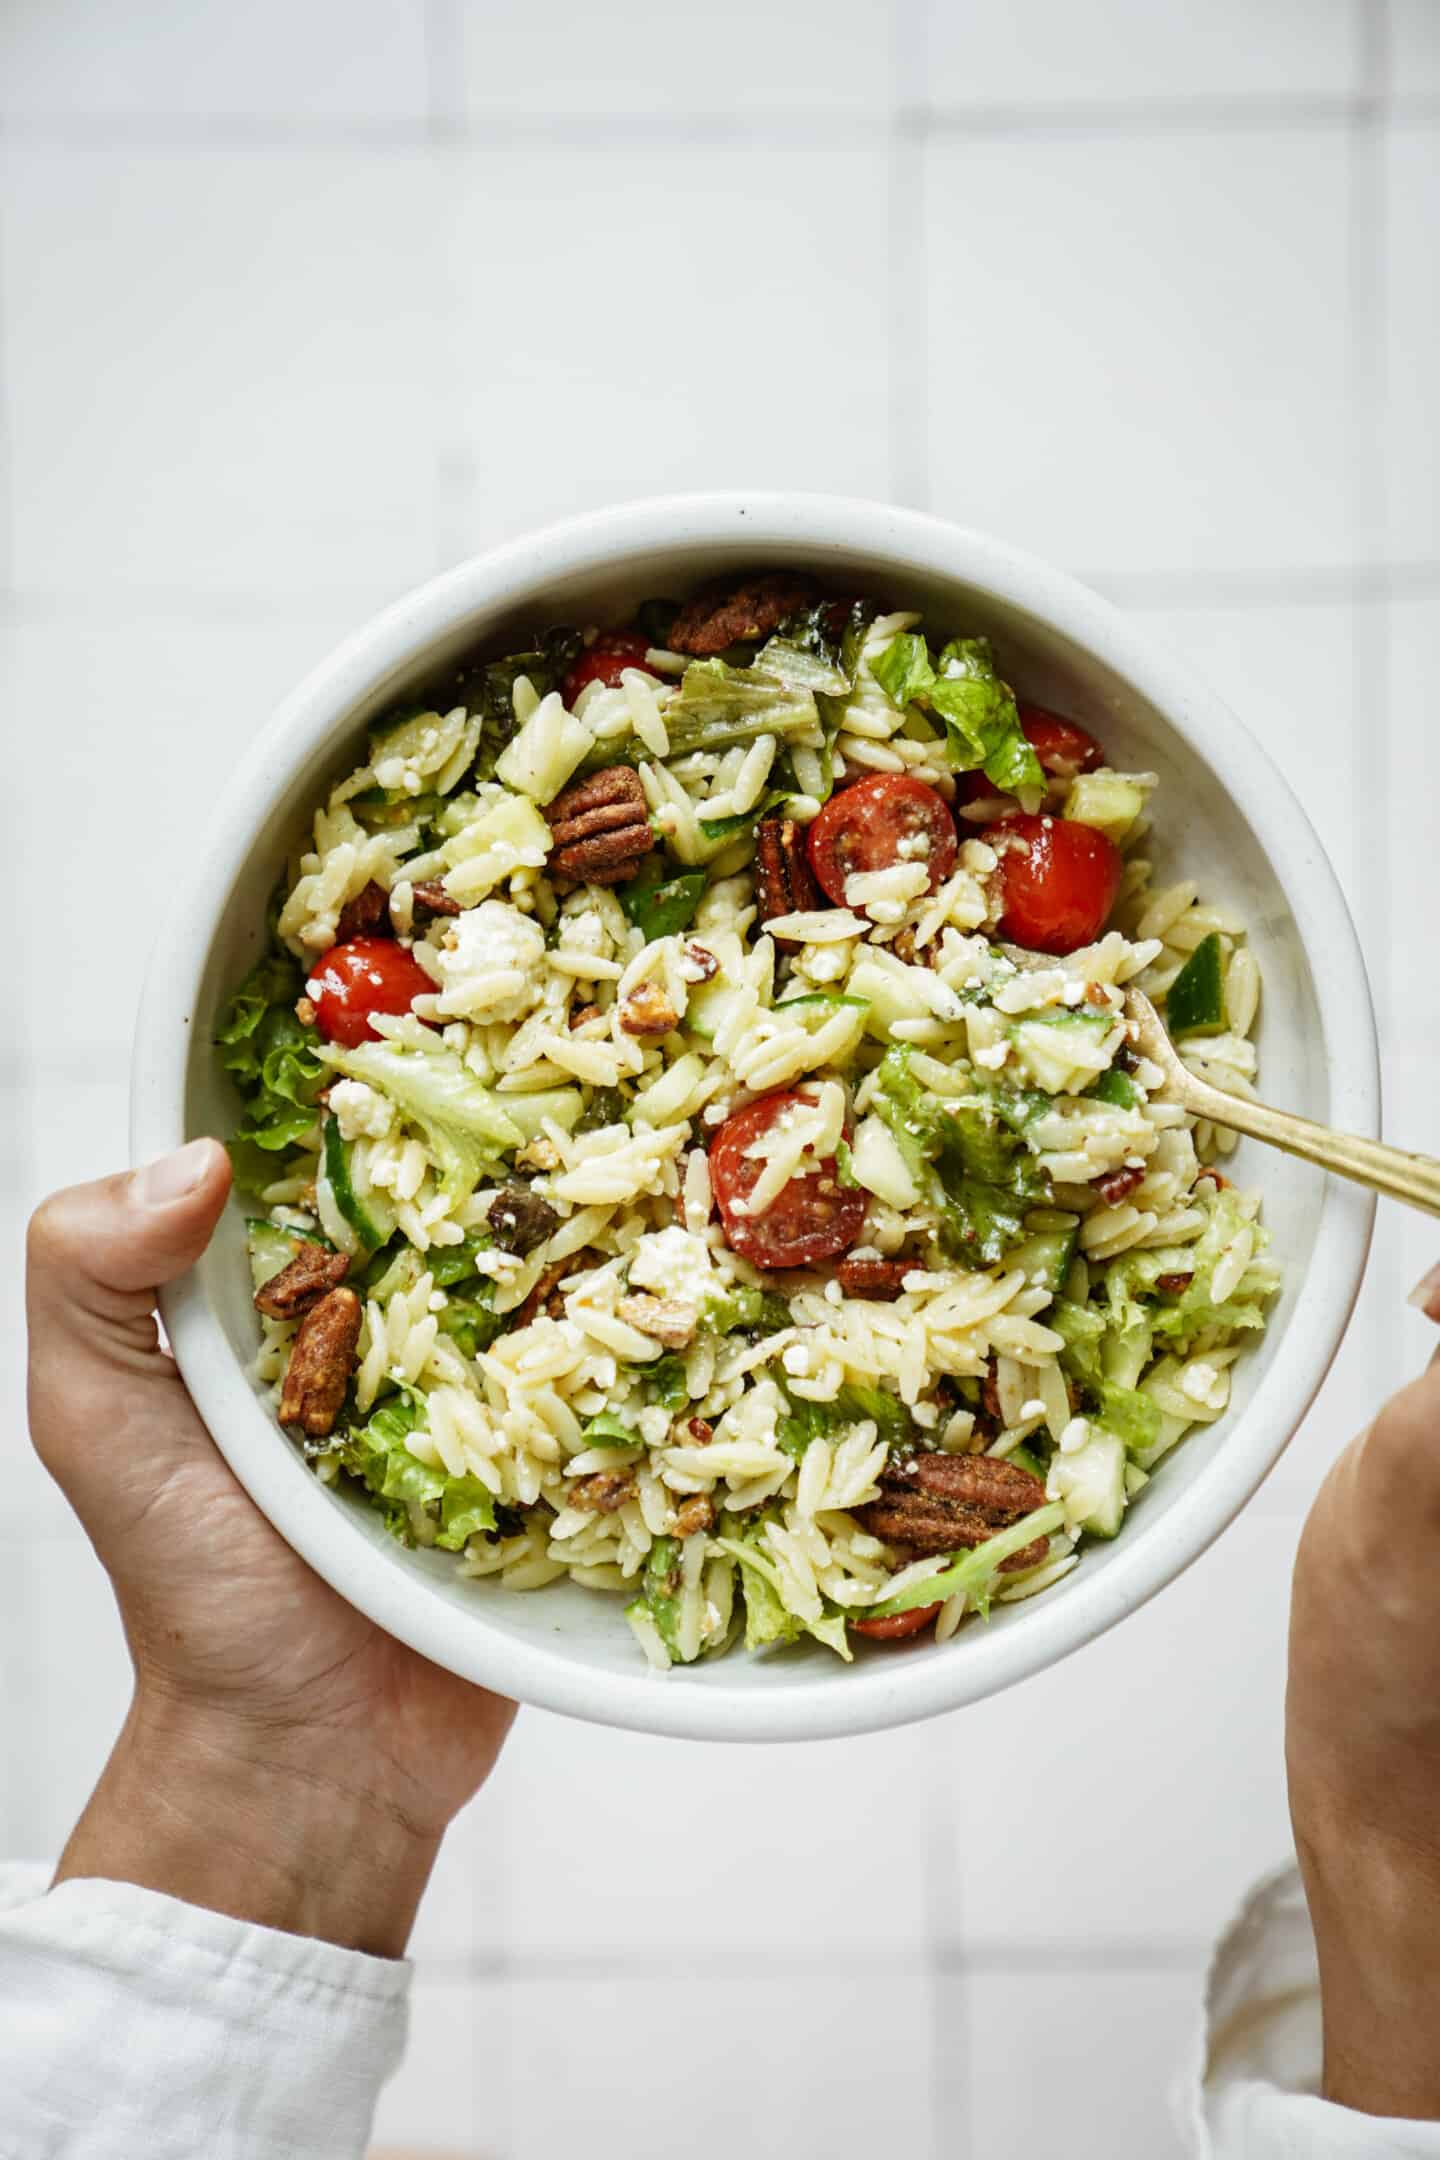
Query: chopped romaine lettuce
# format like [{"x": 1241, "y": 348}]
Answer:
[
  {"x": 978, "y": 709},
  {"x": 746, "y": 1306},
  {"x": 966, "y": 1156},
  {"x": 376, "y": 1454},
  {"x": 807, "y": 1420},
  {"x": 609, "y": 1429},
  {"x": 664, "y": 1383},
  {"x": 767, "y": 1617},
  {"x": 718, "y": 706}
]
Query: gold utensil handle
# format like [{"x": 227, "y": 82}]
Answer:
[{"x": 1413, "y": 1178}]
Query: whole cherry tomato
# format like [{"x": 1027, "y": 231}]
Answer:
[
  {"x": 368, "y": 975},
  {"x": 1058, "y": 881},
  {"x": 896, "y": 1626},
  {"x": 812, "y": 1218},
  {"x": 887, "y": 819},
  {"x": 605, "y": 662}
]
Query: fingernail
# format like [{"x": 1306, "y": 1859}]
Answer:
[
  {"x": 172, "y": 1176},
  {"x": 1426, "y": 1290}
]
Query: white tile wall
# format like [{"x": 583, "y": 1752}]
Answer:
[{"x": 295, "y": 303}]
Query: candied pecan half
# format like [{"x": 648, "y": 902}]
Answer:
[
  {"x": 666, "y": 1319},
  {"x": 430, "y": 893},
  {"x": 1117, "y": 1185},
  {"x": 603, "y": 1493},
  {"x": 695, "y": 1514},
  {"x": 313, "y": 1271},
  {"x": 600, "y": 828},
  {"x": 721, "y": 617},
  {"x": 784, "y": 882},
  {"x": 519, "y": 1219},
  {"x": 938, "y": 1503},
  {"x": 874, "y": 1278},
  {"x": 646, "y": 1010},
  {"x": 322, "y": 1359},
  {"x": 366, "y": 915}
]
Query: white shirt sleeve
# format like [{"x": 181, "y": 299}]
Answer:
[
  {"x": 1252, "y": 2089},
  {"x": 133, "y": 2024}
]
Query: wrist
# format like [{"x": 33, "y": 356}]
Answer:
[
  {"x": 263, "y": 1825},
  {"x": 1374, "y": 1898}
]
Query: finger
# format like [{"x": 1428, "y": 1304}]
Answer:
[
  {"x": 1425, "y": 1297},
  {"x": 97, "y": 1253}
]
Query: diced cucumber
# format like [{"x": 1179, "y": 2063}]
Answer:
[
  {"x": 878, "y": 1164},
  {"x": 711, "y": 1006},
  {"x": 1090, "y": 1484},
  {"x": 885, "y": 983},
  {"x": 1196, "y": 1003},
  {"x": 1045, "y": 1257},
  {"x": 563, "y": 1106},
  {"x": 1115, "y": 1087},
  {"x": 272, "y": 1248},
  {"x": 355, "y": 1226},
  {"x": 813, "y": 1010},
  {"x": 1106, "y": 800}
]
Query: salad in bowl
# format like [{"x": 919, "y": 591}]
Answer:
[{"x": 693, "y": 1144}]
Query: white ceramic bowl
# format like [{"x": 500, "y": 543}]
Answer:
[{"x": 1225, "y": 816}]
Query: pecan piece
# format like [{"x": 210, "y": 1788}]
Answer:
[
  {"x": 1117, "y": 1185},
  {"x": 600, "y": 828},
  {"x": 698, "y": 963},
  {"x": 519, "y": 1219},
  {"x": 695, "y": 1514},
  {"x": 367, "y": 914},
  {"x": 430, "y": 893},
  {"x": 938, "y": 1503},
  {"x": 718, "y": 618},
  {"x": 584, "y": 1014},
  {"x": 603, "y": 1493},
  {"x": 545, "y": 1293},
  {"x": 784, "y": 881},
  {"x": 1174, "y": 1285},
  {"x": 322, "y": 1359},
  {"x": 646, "y": 1010},
  {"x": 874, "y": 1278},
  {"x": 666, "y": 1319},
  {"x": 313, "y": 1271}
]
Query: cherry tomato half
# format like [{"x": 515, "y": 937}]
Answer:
[
  {"x": 1058, "y": 881},
  {"x": 605, "y": 662},
  {"x": 369, "y": 975},
  {"x": 812, "y": 1218},
  {"x": 896, "y": 1626},
  {"x": 1062, "y": 747},
  {"x": 889, "y": 818}
]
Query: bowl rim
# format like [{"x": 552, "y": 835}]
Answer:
[{"x": 915, "y": 1688}]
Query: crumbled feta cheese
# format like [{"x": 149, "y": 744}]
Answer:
[
  {"x": 993, "y": 1057},
  {"x": 1075, "y": 1435},
  {"x": 1033, "y": 1408},
  {"x": 674, "y": 1264},
  {"x": 360, "y": 1111},
  {"x": 490, "y": 958}
]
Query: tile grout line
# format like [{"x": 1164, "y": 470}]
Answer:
[{"x": 804, "y": 127}]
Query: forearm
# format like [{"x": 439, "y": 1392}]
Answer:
[
  {"x": 1375, "y": 1906},
  {"x": 246, "y": 1825}
]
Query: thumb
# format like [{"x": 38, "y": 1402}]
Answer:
[{"x": 98, "y": 1252}]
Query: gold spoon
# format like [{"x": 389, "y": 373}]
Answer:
[{"x": 1415, "y": 1178}]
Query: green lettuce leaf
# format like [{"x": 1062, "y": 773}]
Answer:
[
  {"x": 904, "y": 670},
  {"x": 376, "y": 1454},
  {"x": 609, "y": 1429},
  {"x": 718, "y": 706},
  {"x": 768, "y": 1620},
  {"x": 746, "y": 1306},
  {"x": 464, "y": 1125},
  {"x": 664, "y": 1383},
  {"x": 1133, "y": 1417},
  {"x": 974, "y": 1572},
  {"x": 807, "y": 1420},
  {"x": 274, "y": 1060},
  {"x": 661, "y": 906},
  {"x": 487, "y": 687},
  {"x": 968, "y": 1156}
]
